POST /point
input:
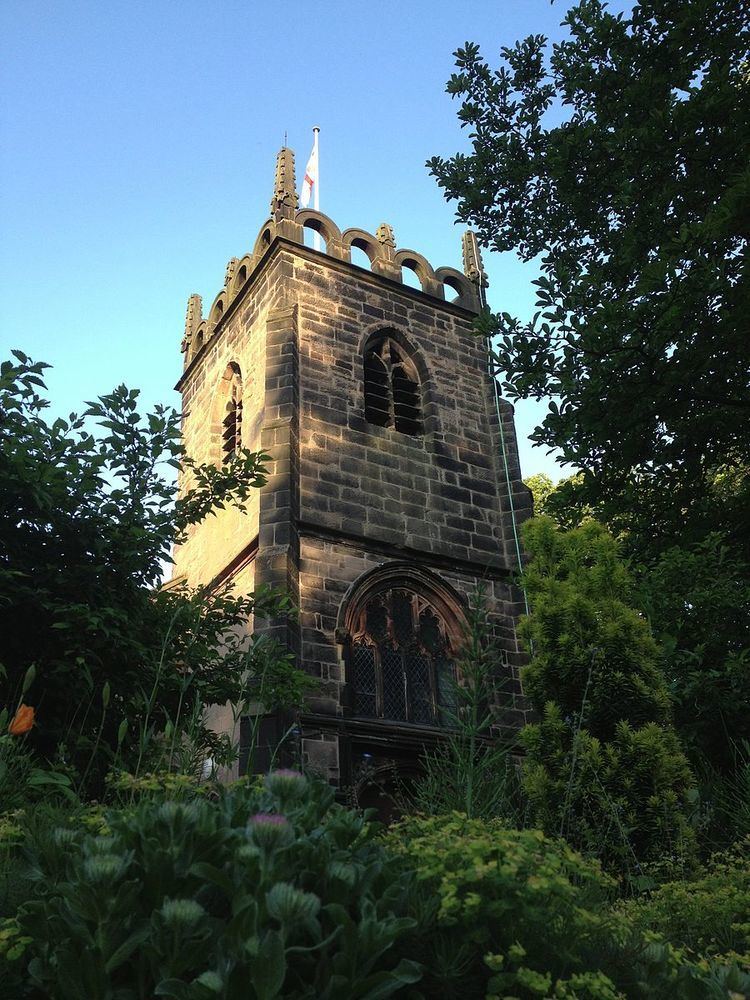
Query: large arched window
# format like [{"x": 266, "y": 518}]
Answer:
[
  {"x": 231, "y": 411},
  {"x": 401, "y": 658},
  {"x": 393, "y": 396}
]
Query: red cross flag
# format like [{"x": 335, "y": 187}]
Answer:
[{"x": 310, "y": 182}]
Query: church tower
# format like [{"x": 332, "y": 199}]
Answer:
[{"x": 394, "y": 485}]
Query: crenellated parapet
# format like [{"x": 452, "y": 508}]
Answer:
[{"x": 287, "y": 221}]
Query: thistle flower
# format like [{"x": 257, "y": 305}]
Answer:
[
  {"x": 64, "y": 837},
  {"x": 22, "y": 721},
  {"x": 286, "y": 783},
  {"x": 103, "y": 868},
  {"x": 269, "y": 829},
  {"x": 288, "y": 904},
  {"x": 181, "y": 912}
]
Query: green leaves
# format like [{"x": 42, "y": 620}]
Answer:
[
  {"x": 51, "y": 783},
  {"x": 28, "y": 679},
  {"x": 510, "y": 893},
  {"x": 617, "y": 159},
  {"x": 90, "y": 514},
  {"x": 176, "y": 902},
  {"x": 603, "y": 765},
  {"x": 268, "y": 971}
]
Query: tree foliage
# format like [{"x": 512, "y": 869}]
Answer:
[
  {"x": 541, "y": 486},
  {"x": 604, "y": 766},
  {"x": 89, "y": 512},
  {"x": 619, "y": 159},
  {"x": 698, "y": 601},
  {"x": 696, "y": 597}
]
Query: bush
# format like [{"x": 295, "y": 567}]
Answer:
[
  {"x": 505, "y": 912},
  {"x": 268, "y": 890},
  {"x": 725, "y": 799},
  {"x": 511, "y": 913},
  {"x": 618, "y": 800},
  {"x": 698, "y": 602},
  {"x": 604, "y": 766},
  {"x": 265, "y": 892},
  {"x": 709, "y": 915},
  {"x": 118, "y": 672}
]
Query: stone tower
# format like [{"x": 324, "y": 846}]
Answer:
[{"x": 394, "y": 478}]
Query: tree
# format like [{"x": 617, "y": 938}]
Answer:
[
  {"x": 541, "y": 487},
  {"x": 698, "y": 601},
  {"x": 619, "y": 159},
  {"x": 88, "y": 515},
  {"x": 696, "y": 597},
  {"x": 604, "y": 767}
]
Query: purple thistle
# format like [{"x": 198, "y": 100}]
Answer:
[
  {"x": 286, "y": 784},
  {"x": 269, "y": 830},
  {"x": 268, "y": 819}
]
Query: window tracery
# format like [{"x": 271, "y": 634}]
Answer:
[
  {"x": 392, "y": 389},
  {"x": 401, "y": 661}
]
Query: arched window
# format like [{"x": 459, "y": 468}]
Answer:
[
  {"x": 231, "y": 422},
  {"x": 392, "y": 389},
  {"x": 401, "y": 659}
]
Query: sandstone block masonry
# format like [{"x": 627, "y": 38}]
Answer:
[{"x": 334, "y": 361}]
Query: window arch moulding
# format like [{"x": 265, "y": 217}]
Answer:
[
  {"x": 226, "y": 426},
  {"x": 393, "y": 384},
  {"x": 401, "y": 629}
]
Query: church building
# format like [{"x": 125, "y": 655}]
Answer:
[{"x": 394, "y": 488}]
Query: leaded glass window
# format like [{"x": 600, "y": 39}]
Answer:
[{"x": 401, "y": 662}]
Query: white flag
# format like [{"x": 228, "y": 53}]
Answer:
[{"x": 311, "y": 176}]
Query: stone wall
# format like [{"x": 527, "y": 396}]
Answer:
[
  {"x": 213, "y": 545},
  {"x": 329, "y": 571}
]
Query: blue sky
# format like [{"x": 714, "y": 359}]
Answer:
[{"x": 137, "y": 154}]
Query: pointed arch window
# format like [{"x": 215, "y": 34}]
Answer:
[
  {"x": 401, "y": 660},
  {"x": 231, "y": 423},
  {"x": 393, "y": 394}
]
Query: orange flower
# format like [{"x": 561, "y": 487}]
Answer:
[{"x": 22, "y": 721}]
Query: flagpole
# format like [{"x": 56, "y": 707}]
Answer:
[{"x": 316, "y": 186}]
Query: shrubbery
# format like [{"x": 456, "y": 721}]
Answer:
[
  {"x": 603, "y": 766},
  {"x": 269, "y": 889},
  {"x": 508, "y": 912},
  {"x": 709, "y": 915},
  {"x": 264, "y": 892},
  {"x": 111, "y": 671}
]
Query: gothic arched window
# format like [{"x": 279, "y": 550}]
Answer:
[
  {"x": 393, "y": 396},
  {"x": 401, "y": 662},
  {"x": 231, "y": 412}
]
